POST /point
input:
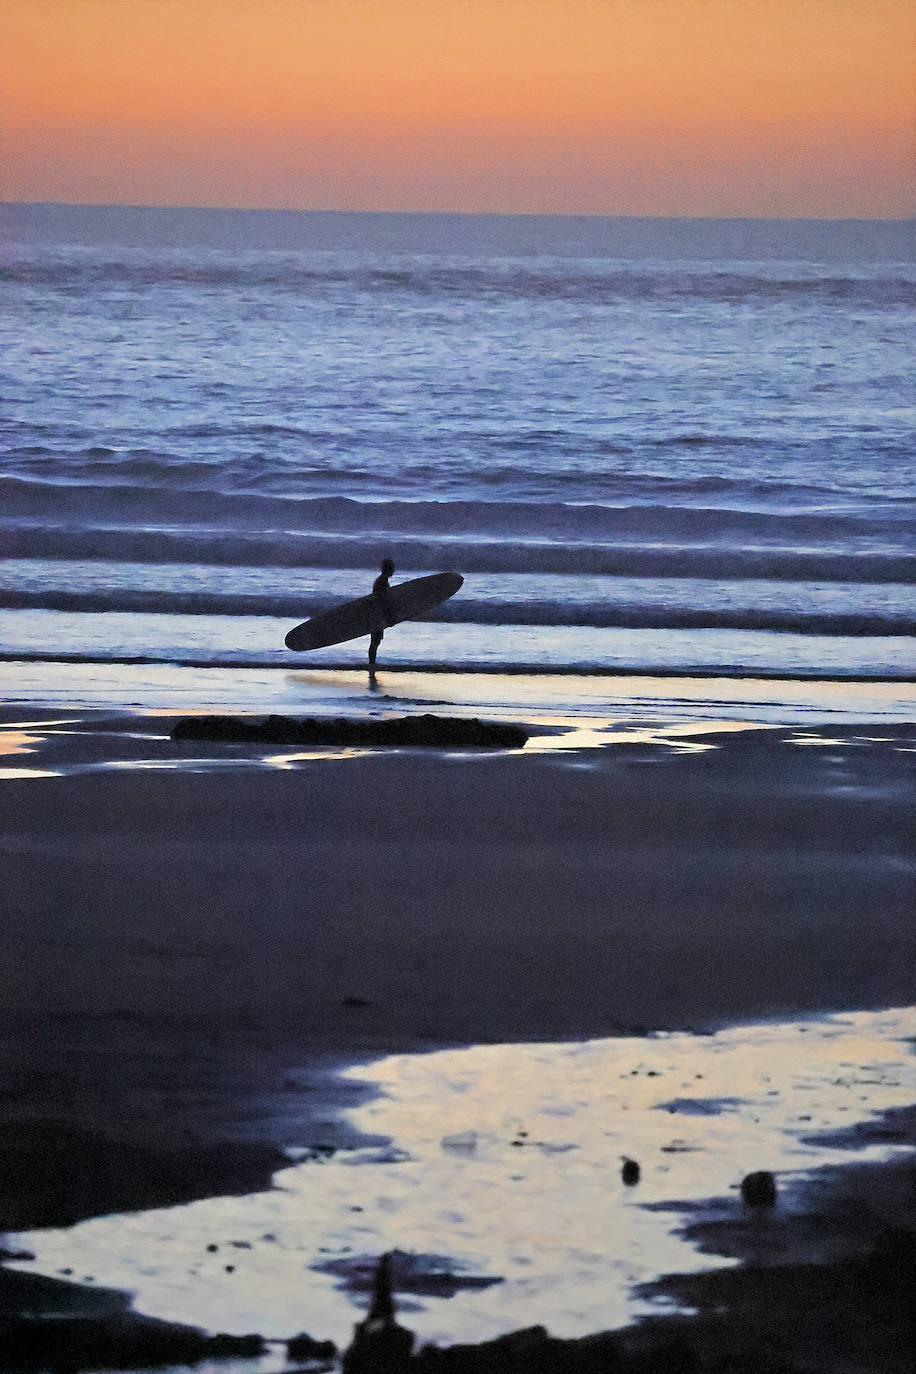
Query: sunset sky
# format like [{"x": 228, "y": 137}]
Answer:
[{"x": 639, "y": 107}]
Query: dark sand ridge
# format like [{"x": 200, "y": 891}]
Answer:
[{"x": 187, "y": 951}]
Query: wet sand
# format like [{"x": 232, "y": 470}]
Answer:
[
  {"x": 402, "y": 897},
  {"x": 196, "y": 916},
  {"x": 195, "y": 940}
]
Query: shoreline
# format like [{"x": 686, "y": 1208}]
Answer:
[{"x": 814, "y": 677}]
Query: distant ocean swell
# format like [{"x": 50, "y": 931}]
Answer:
[
  {"x": 286, "y": 273},
  {"x": 131, "y": 471}
]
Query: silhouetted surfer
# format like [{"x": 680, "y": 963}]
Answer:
[{"x": 382, "y": 593}]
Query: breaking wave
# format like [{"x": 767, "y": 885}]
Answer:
[{"x": 462, "y": 553}]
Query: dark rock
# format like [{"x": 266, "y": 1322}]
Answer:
[
  {"x": 382, "y": 1309},
  {"x": 630, "y": 1172},
  {"x": 759, "y": 1189},
  {"x": 379, "y": 1345},
  {"x": 222, "y": 1346},
  {"x": 530, "y": 1350},
  {"x": 379, "y": 1350},
  {"x": 426, "y": 731},
  {"x": 305, "y": 1347}
]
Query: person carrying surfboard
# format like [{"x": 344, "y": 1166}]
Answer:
[
  {"x": 371, "y": 614},
  {"x": 382, "y": 593}
]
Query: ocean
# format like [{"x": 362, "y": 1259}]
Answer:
[{"x": 650, "y": 446}]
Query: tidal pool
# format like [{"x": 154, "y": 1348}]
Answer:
[{"x": 501, "y": 1183}]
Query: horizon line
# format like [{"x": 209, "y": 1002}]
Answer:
[{"x": 467, "y": 214}]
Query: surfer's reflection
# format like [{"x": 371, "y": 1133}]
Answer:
[{"x": 382, "y": 593}]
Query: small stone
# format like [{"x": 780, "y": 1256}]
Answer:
[
  {"x": 759, "y": 1189},
  {"x": 305, "y": 1347},
  {"x": 630, "y": 1172}
]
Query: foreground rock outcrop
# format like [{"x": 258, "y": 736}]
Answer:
[
  {"x": 427, "y": 731},
  {"x": 781, "y": 1319}
]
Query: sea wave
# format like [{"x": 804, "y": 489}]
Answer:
[
  {"x": 465, "y": 554},
  {"x": 606, "y": 614},
  {"x": 595, "y": 473},
  {"x": 109, "y": 503}
]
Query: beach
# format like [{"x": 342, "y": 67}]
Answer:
[
  {"x": 272, "y": 1010},
  {"x": 200, "y": 937}
]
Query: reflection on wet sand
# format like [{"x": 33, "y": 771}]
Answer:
[
  {"x": 75, "y": 745},
  {"x": 503, "y": 1162}
]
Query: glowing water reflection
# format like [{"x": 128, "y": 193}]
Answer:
[{"x": 505, "y": 1162}]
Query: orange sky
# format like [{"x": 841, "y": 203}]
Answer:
[{"x": 657, "y": 107}]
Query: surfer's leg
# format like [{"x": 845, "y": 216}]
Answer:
[{"x": 375, "y": 640}]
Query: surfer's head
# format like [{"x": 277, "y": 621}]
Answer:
[{"x": 387, "y": 566}]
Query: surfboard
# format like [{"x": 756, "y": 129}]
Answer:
[{"x": 410, "y": 600}]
